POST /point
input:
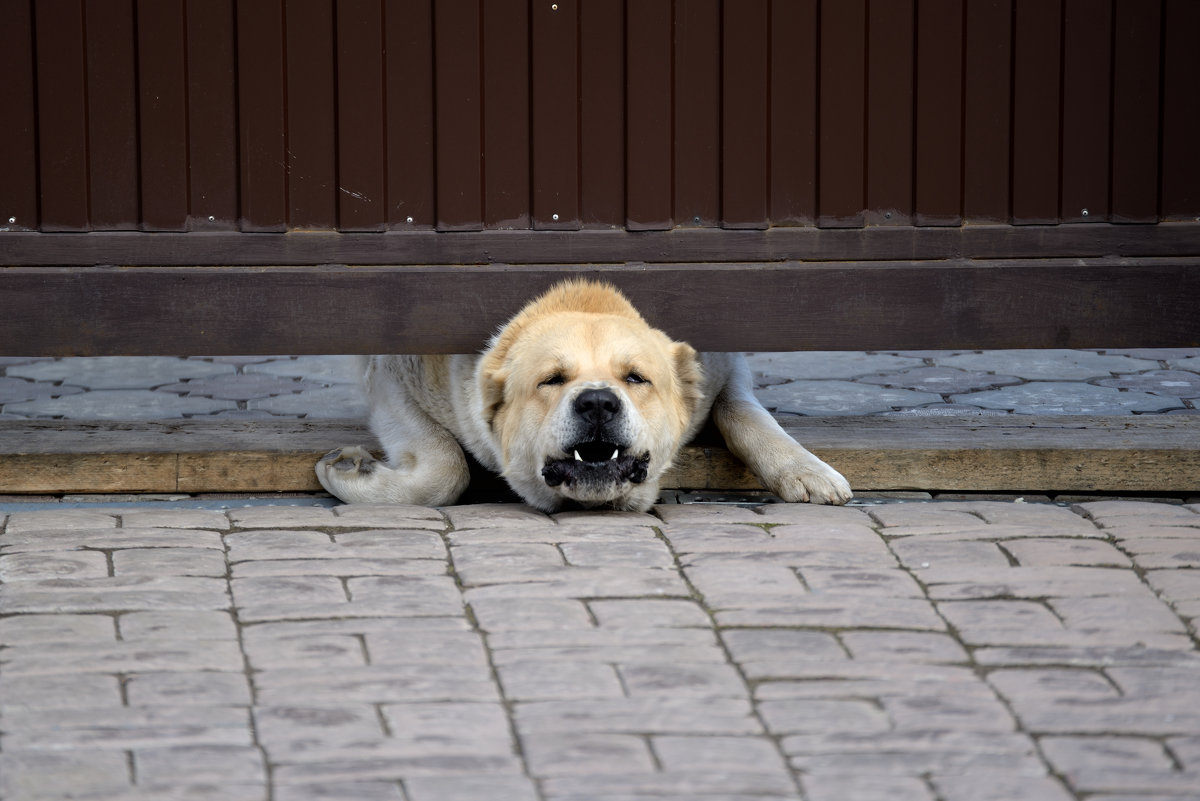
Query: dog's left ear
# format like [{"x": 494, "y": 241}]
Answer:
[
  {"x": 491, "y": 378},
  {"x": 689, "y": 373}
]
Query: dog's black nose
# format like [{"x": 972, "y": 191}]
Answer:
[{"x": 597, "y": 406}]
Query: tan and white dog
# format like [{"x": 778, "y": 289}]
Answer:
[{"x": 576, "y": 401}]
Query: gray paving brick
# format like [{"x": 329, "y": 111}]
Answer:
[
  {"x": 327, "y": 369},
  {"x": 114, "y": 594},
  {"x": 582, "y": 657},
  {"x": 1059, "y": 365},
  {"x": 16, "y": 390},
  {"x": 333, "y": 402},
  {"x": 941, "y": 380},
  {"x": 41, "y": 775},
  {"x": 79, "y": 564},
  {"x": 774, "y": 368},
  {"x": 195, "y": 687},
  {"x": 1171, "y": 383},
  {"x": 1060, "y": 397},
  {"x": 239, "y": 387},
  {"x": 118, "y": 372},
  {"x": 58, "y": 691},
  {"x": 121, "y": 404},
  {"x": 834, "y": 398}
]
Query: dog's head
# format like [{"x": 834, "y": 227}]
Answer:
[{"x": 585, "y": 401}]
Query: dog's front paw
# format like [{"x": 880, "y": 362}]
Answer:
[
  {"x": 814, "y": 484},
  {"x": 351, "y": 459},
  {"x": 347, "y": 472}
]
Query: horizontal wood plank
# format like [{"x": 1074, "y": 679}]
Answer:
[
  {"x": 971, "y": 304},
  {"x": 1158, "y": 453},
  {"x": 599, "y": 246}
]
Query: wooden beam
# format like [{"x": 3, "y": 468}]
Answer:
[
  {"x": 972, "y": 304},
  {"x": 1159, "y": 453},
  {"x": 598, "y": 246}
]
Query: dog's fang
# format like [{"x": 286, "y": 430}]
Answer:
[
  {"x": 578, "y": 458},
  {"x": 616, "y": 452}
]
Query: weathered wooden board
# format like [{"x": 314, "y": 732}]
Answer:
[
  {"x": 870, "y": 305},
  {"x": 597, "y": 246},
  {"x": 1158, "y": 453}
]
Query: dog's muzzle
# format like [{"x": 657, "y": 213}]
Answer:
[{"x": 596, "y": 457}]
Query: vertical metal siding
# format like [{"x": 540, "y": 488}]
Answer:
[{"x": 367, "y": 115}]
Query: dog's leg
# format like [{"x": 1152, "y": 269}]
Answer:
[
  {"x": 784, "y": 466},
  {"x": 424, "y": 464}
]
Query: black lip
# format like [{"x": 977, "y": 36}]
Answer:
[{"x": 606, "y": 471}]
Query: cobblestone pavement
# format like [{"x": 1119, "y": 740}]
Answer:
[
  {"x": 941, "y": 651},
  {"x": 809, "y": 383}
]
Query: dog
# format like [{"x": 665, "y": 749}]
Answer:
[{"x": 576, "y": 402}]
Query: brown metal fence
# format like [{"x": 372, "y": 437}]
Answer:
[{"x": 373, "y": 115}]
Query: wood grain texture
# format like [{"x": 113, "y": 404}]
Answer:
[
  {"x": 1010, "y": 453},
  {"x": 956, "y": 303}
]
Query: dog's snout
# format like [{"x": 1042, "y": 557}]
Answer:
[{"x": 597, "y": 406}]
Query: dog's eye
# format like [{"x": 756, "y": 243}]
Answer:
[
  {"x": 635, "y": 378},
  {"x": 553, "y": 380}
]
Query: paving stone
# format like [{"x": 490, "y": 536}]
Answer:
[
  {"x": 326, "y": 369},
  {"x": 840, "y": 787},
  {"x": 338, "y": 401},
  {"x": 1189, "y": 363},
  {"x": 124, "y": 728},
  {"x": 55, "y": 628},
  {"x": 103, "y": 539},
  {"x": 375, "y": 684},
  {"x": 903, "y": 646},
  {"x": 174, "y": 518},
  {"x": 392, "y": 516},
  {"x": 922, "y": 552},
  {"x": 670, "y": 679},
  {"x": 522, "y": 614},
  {"x": 58, "y": 691},
  {"x": 124, "y": 657},
  {"x": 539, "y": 680},
  {"x": 239, "y": 387},
  {"x": 1061, "y": 551},
  {"x": 189, "y": 688},
  {"x": 813, "y": 716},
  {"x": 42, "y": 775},
  {"x": 121, "y": 404},
  {"x": 57, "y": 520},
  {"x": 590, "y": 754},
  {"x": 774, "y": 368},
  {"x": 999, "y": 786},
  {"x": 606, "y": 645},
  {"x": 1146, "y": 513},
  {"x": 274, "y": 546},
  {"x": 471, "y": 788},
  {"x": 283, "y": 517},
  {"x": 179, "y": 764},
  {"x": 16, "y": 390},
  {"x": 1060, "y": 397},
  {"x": 1056, "y": 365},
  {"x": 640, "y": 614},
  {"x": 168, "y": 561},
  {"x": 1171, "y": 383},
  {"x": 119, "y": 372},
  {"x": 834, "y": 398},
  {"x": 342, "y": 791},
  {"x": 914, "y": 753},
  {"x": 687, "y": 784},
  {"x": 651, "y": 553},
  {"x": 114, "y": 594},
  {"x": 76, "y": 564},
  {"x": 678, "y": 715},
  {"x": 941, "y": 380},
  {"x": 176, "y": 624}
]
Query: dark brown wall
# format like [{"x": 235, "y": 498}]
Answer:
[{"x": 366, "y": 115}]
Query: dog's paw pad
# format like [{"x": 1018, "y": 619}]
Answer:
[{"x": 350, "y": 460}]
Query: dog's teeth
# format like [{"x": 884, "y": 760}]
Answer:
[
  {"x": 578, "y": 458},
  {"x": 613, "y": 458}
]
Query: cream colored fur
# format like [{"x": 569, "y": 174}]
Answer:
[{"x": 517, "y": 409}]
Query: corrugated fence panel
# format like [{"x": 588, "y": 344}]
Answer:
[
  {"x": 697, "y": 107},
  {"x": 1087, "y": 68},
  {"x": 212, "y": 114},
  {"x": 1181, "y": 117},
  {"x": 555, "y": 115},
  {"x": 506, "y": 109},
  {"x": 793, "y": 45},
  {"x": 362, "y": 149},
  {"x": 464, "y": 115},
  {"x": 987, "y": 117},
  {"x": 409, "y": 103},
  {"x": 261, "y": 116},
  {"x": 890, "y": 64}
]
